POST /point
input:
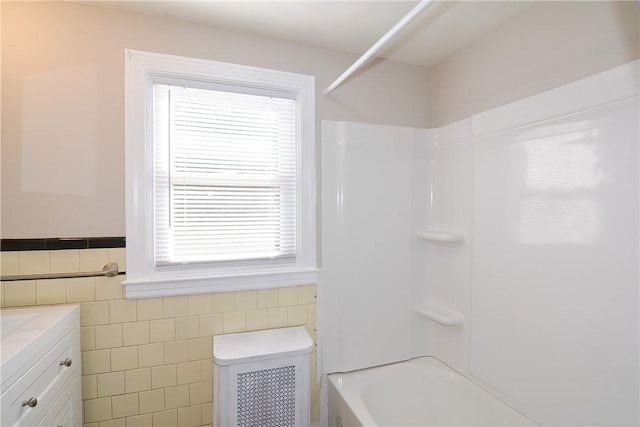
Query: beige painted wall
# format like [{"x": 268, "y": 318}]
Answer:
[
  {"x": 63, "y": 98},
  {"x": 63, "y": 105},
  {"x": 546, "y": 45}
]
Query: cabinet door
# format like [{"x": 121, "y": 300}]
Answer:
[{"x": 67, "y": 410}]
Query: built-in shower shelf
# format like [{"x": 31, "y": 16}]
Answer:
[
  {"x": 439, "y": 314},
  {"x": 440, "y": 236}
]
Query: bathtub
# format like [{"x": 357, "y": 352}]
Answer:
[{"x": 418, "y": 392}]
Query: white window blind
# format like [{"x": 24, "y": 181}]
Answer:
[{"x": 224, "y": 177}]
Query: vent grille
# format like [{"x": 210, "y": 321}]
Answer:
[{"x": 267, "y": 398}]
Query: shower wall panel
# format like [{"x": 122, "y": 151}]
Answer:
[
  {"x": 365, "y": 278},
  {"x": 442, "y": 271},
  {"x": 555, "y": 252}
]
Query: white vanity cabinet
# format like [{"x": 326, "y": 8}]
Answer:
[
  {"x": 41, "y": 367},
  {"x": 67, "y": 409}
]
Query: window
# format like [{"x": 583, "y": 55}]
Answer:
[{"x": 220, "y": 177}]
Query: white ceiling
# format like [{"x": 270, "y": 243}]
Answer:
[{"x": 347, "y": 25}]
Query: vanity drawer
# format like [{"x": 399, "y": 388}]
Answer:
[
  {"x": 67, "y": 410},
  {"x": 42, "y": 382}
]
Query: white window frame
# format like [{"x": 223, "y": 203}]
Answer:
[{"x": 144, "y": 280}]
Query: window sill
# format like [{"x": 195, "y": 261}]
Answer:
[{"x": 151, "y": 288}]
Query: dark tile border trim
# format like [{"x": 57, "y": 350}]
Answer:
[{"x": 52, "y": 244}]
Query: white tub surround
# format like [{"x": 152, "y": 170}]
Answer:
[
  {"x": 41, "y": 366},
  {"x": 366, "y": 245},
  {"x": 418, "y": 392},
  {"x": 521, "y": 255}
]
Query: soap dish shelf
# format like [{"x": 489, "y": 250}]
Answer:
[
  {"x": 439, "y": 314},
  {"x": 440, "y": 236}
]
